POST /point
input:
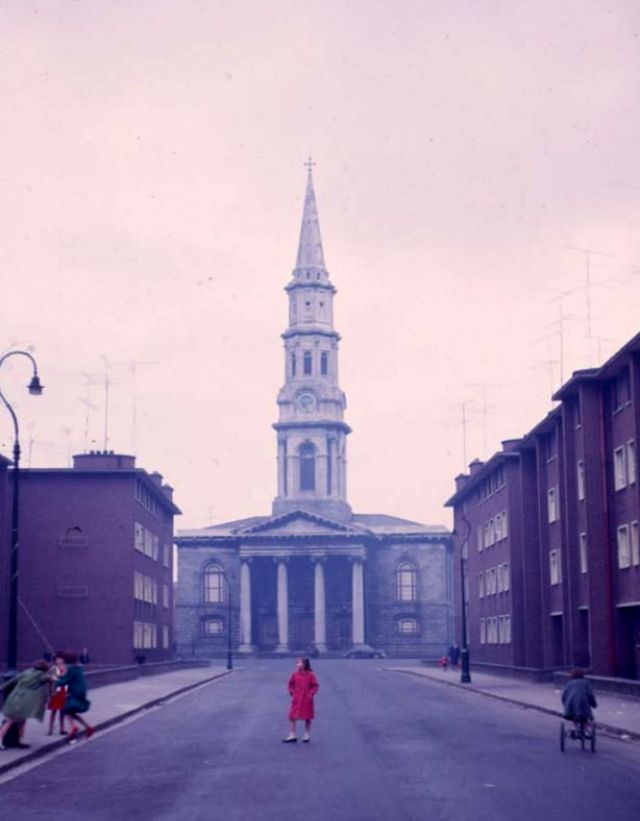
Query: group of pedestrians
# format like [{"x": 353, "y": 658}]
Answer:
[{"x": 62, "y": 687}]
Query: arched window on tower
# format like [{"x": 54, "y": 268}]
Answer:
[
  {"x": 306, "y": 362},
  {"x": 307, "y": 454},
  {"x": 293, "y": 364},
  {"x": 213, "y": 584},
  {"x": 405, "y": 582},
  {"x": 324, "y": 363}
]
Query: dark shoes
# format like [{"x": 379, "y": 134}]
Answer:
[{"x": 291, "y": 739}]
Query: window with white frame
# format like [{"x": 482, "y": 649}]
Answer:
[
  {"x": 583, "y": 553},
  {"x": 407, "y": 627},
  {"x": 166, "y": 555},
  {"x": 483, "y": 631},
  {"x": 555, "y": 571},
  {"x": 405, "y": 582},
  {"x": 491, "y": 581},
  {"x": 498, "y": 521},
  {"x": 492, "y": 630},
  {"x": 624, "y": 547},
  {"x": 499, "y": 578},
  {"x": 213, "y": 627},
  {"x": 165, "y": 636},
  {"x": 635, "y": 544},
  {"x": 481, "y": 585},
  {"x": 505, "y": 527},
  {"x": 552, "y": 505},
  {"x": 487, "y": 535},
  {"x": 506, "y": 576},
  {"x": 145, "y": 635},
  {"x": 631, "y": 462},
  {"x": 580, "y": 480},
  {"x": 213, "y": 584},
  {"x": 620, "y": 468},
  {"x": 138, "y": 537},
  {"x": 165, "y": 595},
  {"x": 504, "y": 629},
  {"x": 480, "y": 536}
]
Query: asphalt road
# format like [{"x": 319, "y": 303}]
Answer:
[{"x": 385, "y": 747}]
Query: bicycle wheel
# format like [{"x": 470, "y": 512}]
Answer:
[
  {"x": 562, "y": 736},
  {"x": 593, "y": 738}
]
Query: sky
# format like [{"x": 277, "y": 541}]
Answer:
[{"x": 151, "y": 188}]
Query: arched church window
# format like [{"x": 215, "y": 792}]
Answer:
[
  {"x": 306, "y": 362},
  {"x": 213, "y": 584},
  {"x": 324, "y": 363},
  {"x": 405, "y": 582},
  {"x": 307, "y": 466},
  {"x": 293, "y": 364}
]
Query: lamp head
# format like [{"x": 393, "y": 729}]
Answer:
[{"x": 34, "y": 387}]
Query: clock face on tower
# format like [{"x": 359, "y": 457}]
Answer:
[{"x": 306, "y": 402}]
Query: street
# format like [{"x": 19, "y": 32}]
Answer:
[{"x": 384, "y": 746}]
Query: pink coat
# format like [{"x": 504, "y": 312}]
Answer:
[{"x": 303, "y": 685}]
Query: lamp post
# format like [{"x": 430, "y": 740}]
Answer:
[
  {"x": 35, "y": 388},
  {"x": 229, "y": 651},
  {"x": 465, "y": 673}
]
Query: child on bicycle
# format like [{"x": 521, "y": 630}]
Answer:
[{"x": 578, "y": 699}]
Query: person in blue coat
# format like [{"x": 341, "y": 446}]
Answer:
[
  {"x": 578, "y": 698},
  {"x": 76, "y": 700}
]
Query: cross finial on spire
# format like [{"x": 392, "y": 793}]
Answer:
[{"x": 309, "y": 163}]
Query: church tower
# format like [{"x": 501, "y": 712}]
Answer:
[{"x": 312, "y": 465}]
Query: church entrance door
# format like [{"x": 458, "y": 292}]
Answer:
[{"x": 302, "y": 634}]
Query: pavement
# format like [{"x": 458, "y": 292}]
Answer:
[
  {"x": 615, "y": 715},
  {"x": 110, "y": 705}
]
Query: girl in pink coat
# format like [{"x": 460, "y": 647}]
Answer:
[{"x": 303, "y": 685}]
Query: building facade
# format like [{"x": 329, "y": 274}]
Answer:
[
  {"x": 95, "y": 561},
  {"x": 571, "y": 501},
  {"x": 313, "y": 574}
]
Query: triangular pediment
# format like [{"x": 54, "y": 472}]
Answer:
[{"x": 299, "y": 523}]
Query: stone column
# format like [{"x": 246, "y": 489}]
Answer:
[
  {"x": 319, "y": 604},
  {"x": 282, "y": 467},
  {"x": 357, "y": 606},
  {"x": 245, "y": 608},
  {"x": 283, "y": 609}
]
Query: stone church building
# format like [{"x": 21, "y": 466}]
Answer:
[{"x": 314, "y": 575}]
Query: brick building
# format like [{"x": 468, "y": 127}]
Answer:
[
  {"x": 313, "y": 572},
  {"x": 565, "y": 517},
  {"x": 95, "y": 560}
]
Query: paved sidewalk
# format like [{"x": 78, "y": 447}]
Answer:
[
  {"x": 109, "y": 705},
  {"x": 615, "y": 714}
]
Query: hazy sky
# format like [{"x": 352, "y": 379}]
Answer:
[{"x": 151, "y": 190}]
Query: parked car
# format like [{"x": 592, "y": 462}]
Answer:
[{"x": 365, "y": 651}]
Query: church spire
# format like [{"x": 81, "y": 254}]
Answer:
[{"x": 310, "y": 255}]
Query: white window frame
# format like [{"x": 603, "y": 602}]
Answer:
[
  {"x": 635, "y": 544},
  {"x": 505, "y": 525},
  {"x": 582, "y": 546},
  {"x": 552, "y": 504},
  {"x": 483, "y": 631},
  {"x": 581, "y": 484},
  {"x": 624, "y": 547},
  {"x": 499, "y": 587},
  {"x": 631, "y": 462},
  {"x": 506, "y": 577},
  {"x": 407, "y": 626},
  {"x": 480, "y": 537},
  {"x": 481, "y": 585},
  {"x": 555, "y": 568},
  {"x": 620, "y": 468}
]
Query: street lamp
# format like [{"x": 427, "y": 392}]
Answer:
[
  {"x": 465, "y": 673},
  {"x": 229, "y": 651},
  {"x": 35, "y": 388}
]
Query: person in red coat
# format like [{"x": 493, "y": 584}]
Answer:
[{"x": 303, "y": 685}]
